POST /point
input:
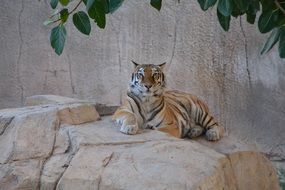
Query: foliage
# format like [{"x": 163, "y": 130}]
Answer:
[{"x": 270, "y": 19}]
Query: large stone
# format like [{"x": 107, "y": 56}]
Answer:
[
  {"x": 110, "y": 160},
  {"x": 105, "y": 132},
  {"x": 151, "y": 165},
  {"x": 70, "y": 110},
  {"x": 166, "y": 165},
  {"x": 78, "y": 113},
  {"x": 53, "y": 170},
  {"x": 37, "y": 153},
  {"x": 31, "y": 134}
]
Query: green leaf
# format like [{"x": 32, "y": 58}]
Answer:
[
  {"x": 281, "y": 19},
  {"x": 242, "y": 5},
  {"x": 113, "y": 5},
  {"x": 236, "y": 12},
  {"x": 282, "y": 43},
  {"x": 225, "y": 7},
  {"x": 250, "y": 18},
  {"x": 100, "y": 17},
  {"x": 205, "y": 4},
  {"x": 64, "y": 2},
  {"x": 64, "y": 15},
  {"x": 253, "y": 7},
  {"x": 267, "y": 5},
  {"x": 53, "y": 3},
  {"x": 271, "y": 41},
  {"x": 81, "y": 22},
  {"x": 267, "y": 21},
  {"x": 90, "y": 7},
  {"x": 224, "y": 21},
  {"x": 57, "y": 38},
  {"x": 156, "y": 4},
  {"x": 96, "y": 10}
]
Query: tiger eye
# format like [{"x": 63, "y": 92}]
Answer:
[
  {"x": 140, "y": 75},
  {"x": 156, "y": 76}
]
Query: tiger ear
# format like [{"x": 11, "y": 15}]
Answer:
[
  {"x": 135, "y": 64},
  {"x": 162, "y": 65}
]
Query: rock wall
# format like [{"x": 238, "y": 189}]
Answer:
[{"x": 244, "y": 90}]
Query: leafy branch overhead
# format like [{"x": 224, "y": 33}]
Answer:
[{"x": 270, "y": 19}]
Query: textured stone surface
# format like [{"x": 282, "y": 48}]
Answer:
[
  {"x": 40, "y": 152},
  {"x": 108, "y": 159},
  {"x": 254, "y": 165},
  {"x": 40, "y": 149},
  {"x": 30, "y": 134},
  {"x": 78, "y": 114},
  {"x": 71, "y": 111},
  {"x": 152, "y": 165},
  {"x": 20, "y": 175}
]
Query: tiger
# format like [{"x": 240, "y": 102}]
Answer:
[{"x": 149, "y": 106}]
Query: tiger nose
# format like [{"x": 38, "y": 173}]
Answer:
[{"x": 148, "y": 86}]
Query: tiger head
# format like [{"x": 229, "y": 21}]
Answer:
[{"x": 147, "y": 80}]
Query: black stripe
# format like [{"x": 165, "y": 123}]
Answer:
[
  {"x": 201, "y": 112},
  {"x": 158, "y": 124},
  {"x": 178, "y": 110},
  {"x": 213, "y": 125},
  {"x": 156, "y": 112},
  {"x": 211, "y": 119},
  {"x": 162, "y": 101},
  {"x": 183, "y": 106},
  {"x": 137, "y": 104},
  {"x": 203, "y": 119}
]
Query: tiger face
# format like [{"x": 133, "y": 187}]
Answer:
[{"x": 147, "y": 80}]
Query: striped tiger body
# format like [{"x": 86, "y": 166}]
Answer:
[{"x": 147, "y": 105}]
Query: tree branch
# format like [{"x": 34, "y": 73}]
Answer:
[
  {"x": 75, "y": 7},
  {"x": 279, "y": 6},
  {"x": 55, "y": 21}
]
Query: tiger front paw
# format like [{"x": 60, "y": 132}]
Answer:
[
  {"x": 129, "y": 129},
  {"x": 195, "y": 132},
  {"x": 213, "y": 134}
]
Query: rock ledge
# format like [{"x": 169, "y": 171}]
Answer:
[{"x": 60, "y": 146}]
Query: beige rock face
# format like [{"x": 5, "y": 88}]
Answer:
[
  {"x": 30, "y": 134},
  {"x": 39, "y": 151},
  {"x": 70, "y": 111},
  {"x": 113, "y": 162},
  {"x": 78, "y": 113}
]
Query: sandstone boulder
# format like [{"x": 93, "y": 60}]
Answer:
[{"x": 41, "y": 150}]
